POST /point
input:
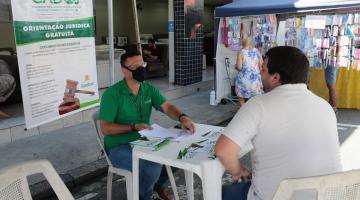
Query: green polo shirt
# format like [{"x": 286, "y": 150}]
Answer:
[{"x": 119, "y": 105}]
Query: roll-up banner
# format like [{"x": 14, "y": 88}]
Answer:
[{"x": 55, "y": 43}]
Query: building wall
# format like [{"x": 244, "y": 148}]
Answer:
[
  {"x": 153, "y": 18},
  {"x": 209, "y": 18},
  {"x": 122, "y": 17},
  {"x": 7, "y": 38},
  {"x": 188, "y": 51}
]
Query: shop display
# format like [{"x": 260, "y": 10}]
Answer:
[
  {"x": 262, "y": 30},
  {"x": 327, "y": 40}
]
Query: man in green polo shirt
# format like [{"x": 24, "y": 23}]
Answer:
[{"x": 126, "y": 109}]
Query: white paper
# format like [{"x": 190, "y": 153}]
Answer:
[
  {"x": 315, "y": 21},
  {"x": 161, "y": 132}
]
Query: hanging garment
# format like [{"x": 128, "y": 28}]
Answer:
[
  {"x": 325, "y": 43},
  {"x": 332, "y": 41},
  {"x": 342, "y": 30},
  {"x": 356, "y": 30},
  {"x": 332, "y": 52},
  {"x": 337, "y": 20},
  {"x": 343, "y": 62},
  {"x": 329, "y": 20},
  {"x": 327, "y": 31},
  {"x": 343, "y": 40},
  {"x": 318, "y": 42},
  {"x": 344, "y": 51},
  {"x": 356, "y": 41},
  {"x": 356, "y": 53},
  {"x": 335, "y": 30},
  {"x": 225, "y": 30},
  {"x": 349, "y": 30},
  {"x": 356, "y": 18}
]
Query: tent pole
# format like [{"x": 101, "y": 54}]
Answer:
[
  {"x": 111, "y": 41},
  {"x": 136, "y": 21}
]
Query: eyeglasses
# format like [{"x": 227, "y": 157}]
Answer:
[{"x": 135, "y": 66}]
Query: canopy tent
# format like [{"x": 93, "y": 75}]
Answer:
[
  {"x": 347, "y": 82},
  {"x": 259, "y": 7}
]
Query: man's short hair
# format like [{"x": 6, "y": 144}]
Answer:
[
  {"x": 127, "y": 55},
  {"x": 151, "y": 40},
  {"x": 289, "y": 62}
]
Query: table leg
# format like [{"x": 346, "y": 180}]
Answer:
[
  {"x": 211, "y": 180},
  {"x": 189, "y": 179},
  {"x": 135, "y": 171},
  {"x": 172, "y": 182}
]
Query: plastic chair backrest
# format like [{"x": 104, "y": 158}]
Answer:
[
  {"x": 100, "y": 136},
  {"x": 14, "y": 184},
  {"x": 343, "y": 185}
]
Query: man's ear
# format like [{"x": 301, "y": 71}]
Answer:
[
  {"x": 276, "y": 78},
  {"x": 123, "y": 70}
]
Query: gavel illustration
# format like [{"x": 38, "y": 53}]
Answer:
[
  {"x": 71, "y": 103},
  {"x": 71, "y": 89}
]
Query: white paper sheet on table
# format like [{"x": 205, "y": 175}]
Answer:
[{"x": 161, "y": 132}]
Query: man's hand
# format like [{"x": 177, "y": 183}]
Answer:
[
  {"x": 187, "y": 123},
  {"x": 140, "y": 127},
  {"x": 242, "y": 174}
]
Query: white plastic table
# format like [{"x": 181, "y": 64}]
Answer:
[{"x": 209, "y": 170}]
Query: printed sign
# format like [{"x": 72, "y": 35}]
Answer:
[
  {"x": 56, "y": 54},
  {"x": 171, "y": 26}
]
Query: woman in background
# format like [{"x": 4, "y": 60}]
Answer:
[{"x": 248, "y": 63}]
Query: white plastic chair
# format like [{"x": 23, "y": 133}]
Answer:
[
  {"x": 343, "y": 185},
  {"x": 14, "y": 184},
  {"x": 127, "y": 174},
  {"x": 112, "y": 170}
]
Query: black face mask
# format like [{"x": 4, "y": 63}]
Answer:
[{"x": 138, "y": 74}]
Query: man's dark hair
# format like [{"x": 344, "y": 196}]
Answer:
[
  {"x": 289, "y": 62},
  {"x": 127, "y": 55},
  {"x": 151, "y": 40}
]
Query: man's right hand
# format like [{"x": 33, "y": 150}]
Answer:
[{"x": 140, "y": 127}]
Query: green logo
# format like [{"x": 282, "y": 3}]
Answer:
[{"x": 57, "y": 1}]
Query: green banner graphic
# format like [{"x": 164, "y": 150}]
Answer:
[
  {"x": 86, "y": 104},
  {"x": 31, "y": 32}
]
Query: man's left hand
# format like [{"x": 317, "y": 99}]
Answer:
[
  {"x": 242, "y": 174},
  {"x": 187, "y": 123}
]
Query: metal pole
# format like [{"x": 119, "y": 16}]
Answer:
[
  {"x": 111, "y": 41},
  {"x": 171, "y": 29},
  {"x": 136, "y": 21}
]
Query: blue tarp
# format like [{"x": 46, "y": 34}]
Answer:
[{"x": 259, "y": 7}]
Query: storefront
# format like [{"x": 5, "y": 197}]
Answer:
[{"x": 327, "y": 31}]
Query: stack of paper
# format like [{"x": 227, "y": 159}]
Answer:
[
  {"x": 160, "y": 132},
  {"x": 153, "y": 144}
]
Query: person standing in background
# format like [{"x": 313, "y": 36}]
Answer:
[
  {"x": 248, "y": 80},
  {"x": 330, "y": 79}
]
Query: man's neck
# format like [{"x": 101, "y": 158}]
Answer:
[{"x": 133, "y": 85}]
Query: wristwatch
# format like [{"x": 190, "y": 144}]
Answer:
[{"x": 181, "y": 115}]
